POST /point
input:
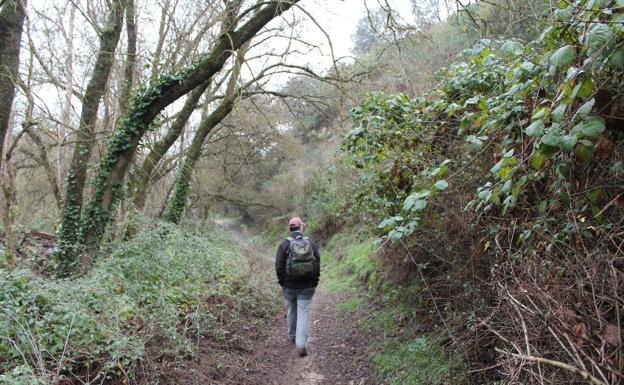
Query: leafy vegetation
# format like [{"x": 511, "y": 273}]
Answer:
[
  {"x": 507, "y": 172},
  {"x": 401, "y": 354},
  {"x": 151, "y": 298}
]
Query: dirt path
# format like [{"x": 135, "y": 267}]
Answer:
[{"x": 338, "y": 349}]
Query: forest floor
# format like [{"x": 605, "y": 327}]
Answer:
[{"x": 257, "y": 351}]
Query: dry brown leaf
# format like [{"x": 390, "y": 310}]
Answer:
[
  {"x": 612, "y": 335},
  {"x": 580, "y": 332},
  {"x": 604, "y": 146},
  {"x": 565, "y": 315}
]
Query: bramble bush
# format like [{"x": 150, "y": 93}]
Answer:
[
  {"x": 151, "y": 296},
  {"x": 501, "y": 190}
]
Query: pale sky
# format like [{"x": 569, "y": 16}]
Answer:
[{"x": 339, "y": 19}]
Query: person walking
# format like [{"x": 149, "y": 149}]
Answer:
[{"x": 298, "y": 268}]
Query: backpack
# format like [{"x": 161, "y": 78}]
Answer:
[{"x": 300, "y": 263}]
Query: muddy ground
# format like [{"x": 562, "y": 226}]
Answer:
[{"x": 339, "y": 352}]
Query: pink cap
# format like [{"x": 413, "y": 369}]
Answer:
[{"x": 295, "y": 221}]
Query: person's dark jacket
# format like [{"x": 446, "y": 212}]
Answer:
[{"x": 280, "y": 266}]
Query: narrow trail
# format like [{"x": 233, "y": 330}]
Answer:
[{"x": 338, "y": 347}]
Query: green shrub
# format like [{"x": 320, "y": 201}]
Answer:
[{"x": 151, "y": 291}]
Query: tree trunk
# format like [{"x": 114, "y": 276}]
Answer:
[
  {"x": 122, "y": 146},
  {"x": 12, "y": 14},
  {"x": 131, "y": 55},
  {"x": 69, "y": 89},
  {"x": 144, "y": 175},
  {"x": 8, "y": 200},
  {"x": 76, "y": 175},
  {"x": 177, "y": 203},
  {"x": 176, "y": 206}
]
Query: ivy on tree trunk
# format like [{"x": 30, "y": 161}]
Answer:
[
  {"x": 177, "y": 203},
  {"x": 77, "y": 173},
  {"x": 146, "y": 105},
  {"x": 142, "y": 180}
]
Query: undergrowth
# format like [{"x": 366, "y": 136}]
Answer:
[
  {"x": 403, "y": 352},
  {"x": 148, "y": 302}
]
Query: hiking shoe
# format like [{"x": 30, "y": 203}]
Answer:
[{"x": 302, "y": 352}]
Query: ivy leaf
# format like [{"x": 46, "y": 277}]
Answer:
[
  {"x": 563, "y": 57},
  {"x": 536, "y": 128},
  {"x": 441, "y": 185},
  {"x": 593, "y": 126}
]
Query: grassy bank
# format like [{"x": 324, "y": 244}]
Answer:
[
  {"x": 145, "y": 305},
  {"x": 404, "y": 351}
]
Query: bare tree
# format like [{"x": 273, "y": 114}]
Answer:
[{"x": 146, "y": 106}]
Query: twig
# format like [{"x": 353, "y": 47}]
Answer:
[{"x": 541, "y": 360}]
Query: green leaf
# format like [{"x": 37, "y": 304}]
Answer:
[
  {"x": 594, "y": 194},
  {"x": 476, "y": 140},
  {"x": 599, "y": 34},
  {"x": 585, "y": 150},
  {"x": 512, "y": 48},
  {"x": 419, "y": 205},
  {"x": 617, "y": 58},
  {"x": 537, "y": 160},
  {"x": 408, "y": 203},
  {"x": 586, "y": 108},
  {"x": 568, "y": 142},
  {"x": 485, "y": 195},
  {"x": 504, "y": 173},
  {"x": 563, "y": 57},
  {"x": 507, "y": 186},
  {"x": 471, "y": 101},
  {"x": 527, "y": 66},
  {"x": 386, "y": 223},
  {"x": 441, "y": 185},
  {"x": 541, "y": 113},
  {"x": 583, "y": 89},
  {"x": 593, "y": 126},
  {"x": 395, "y": 235},
  {"x": 551, "y": 139},
  {"x": 535, "y": 129},
  {"x": 558, "y": 113}
]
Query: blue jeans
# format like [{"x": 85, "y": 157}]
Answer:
[{"x": 298, "y": 304}]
